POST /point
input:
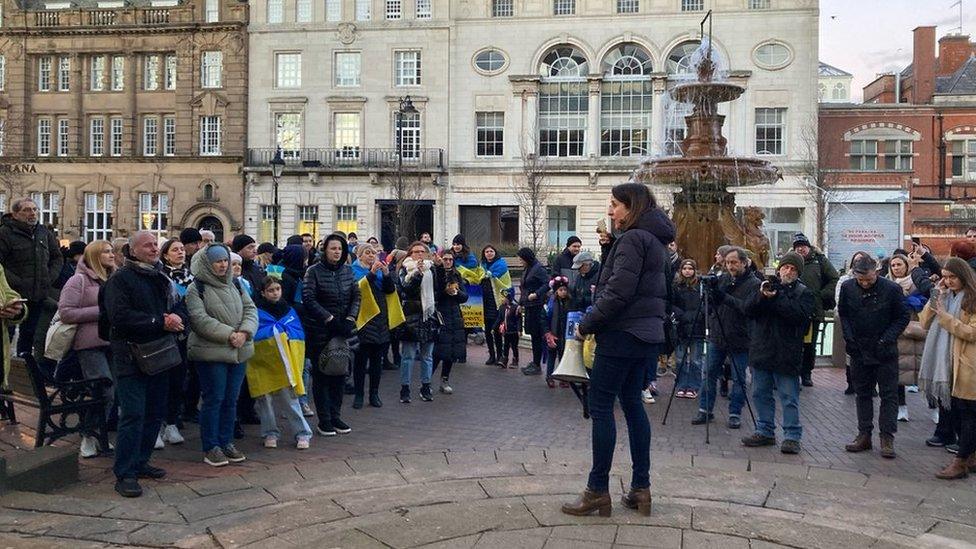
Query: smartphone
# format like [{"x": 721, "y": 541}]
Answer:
[{"x": 917, "y": 240}]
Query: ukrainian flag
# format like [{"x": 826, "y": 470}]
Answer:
[
  {"x": 369, "y": 308},
  {"x": 501, "y": 279},
  {"x": 279, "y": 355}
]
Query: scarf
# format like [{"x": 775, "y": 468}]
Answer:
[
  {"x": 935, "y": 374},
  {"x": 426, "y": 285},
  {"x": 907, "y": 286},
  {"x": 180, "y": 275}
]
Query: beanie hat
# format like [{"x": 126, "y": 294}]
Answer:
[
  {"x": 216, "y": 253},
  {"x": 800, "y": 239},
  {"x": 190, "y": 235},
  {"x": 240, "y": 242},
  {"x": 792, "y": 258},
  {"x": 293, "y": 257},
  {"x": 75, "y": 248},
  {"x": 294, "y": 239},
  {"x": 266, "y": 248},
  {"x": 402, "y": 243},
  {"x": 573, "y": 240}
]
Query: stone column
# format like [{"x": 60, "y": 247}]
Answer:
[
  {"x": 526, "y": 91},
  {"x": 593, "y": 116}
]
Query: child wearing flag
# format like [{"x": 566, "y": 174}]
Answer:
[
  {"x": 274, "y": 373},
  {"x": 378, "y": 290}
]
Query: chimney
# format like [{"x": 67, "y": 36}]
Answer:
[
  {"x": 954, "y": 51},
  {"x": 923, "y": 65}
]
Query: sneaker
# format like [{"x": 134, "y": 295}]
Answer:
[
  {"x": 756, "y": 440},
  {"x": 327, "y": 430},
  {"x": 790, "y": 447},
  {"x": 647, "y": 396},
  {"x": 691, "y": 394},
  {"x": 911, "y": 388},
  {"x": 681, "y": 393},
  {"x": 701, "y": 418},
  {"x": 532, "y": 370},
  {"x": 935, "y": 442},
  {"x": 404, "y": 394},
  {"x": 89, "y": 447},
  {"x": 357, "y": 402},
  {"x": 425, "y": 393},
  {"x": 302, "y": 443},
  {"x": 215, "y": 457},
  {"x": 903, "y": 413},
  {"x": 491, "y": 361},
  {"x": 734, "y": 422},
  {"x": 172, "y": 435},
  {"x": 270, "y": 441},
  {"x": 307, "y": 410},
  {"x": 340, "y": 426},
  {"x": 233, "y": 454},
  {"x": 445, "y": 388},
  {"x": 806, "y": 382},
  {"x": 374, "y": 400},
  {"x": 128, "y": 487},
  {"x": 159, "y": 441},
  {"x": 653, "y": 389},
  {"x": 148, "y": 471},
  {"x": 952, "y": 448}
]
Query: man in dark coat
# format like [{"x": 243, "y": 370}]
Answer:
[
  {"x": 582, "y": 290},
  {"x": 821, "y": 278},
  {"x": 781, "y": 316},
  {"x": 563, "y": 264},
  {"x": 30, "y": 254},
  {"x": 247, "y": 248},
  {"x": 874, "y": 314},
  {"x": 535, "y": 285}
]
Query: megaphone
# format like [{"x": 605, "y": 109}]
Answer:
[{"x": 571, "y": 368}]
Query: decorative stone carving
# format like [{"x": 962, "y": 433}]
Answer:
[{"x": 347, "y": 33}]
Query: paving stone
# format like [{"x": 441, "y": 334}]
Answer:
[
  {"x": 847, "y": 478},
  {"x": 720, "y": 485},
  {"x": 337, "y": 485},
  {"x": 271, "y": 523},
  {"x": 175, "y": 493},
  {"x": 318, "y": 470},
  {"x": 32, "y": 501},
  {"x": 951, "y": 512},
  {"x": 653, "y": 537},
  {"x": 900, "y": 486},
  {"x": 275, "y": 476},
  {"x": 21, "y": 541},
  {"x": 556, "y": 543},
  {"x": 577, "y": 468},
  {"x": 30, "y": 522},
  {"x": 171, "y": 535},
  {"x": 448, "y": 472},
  {"x": 422, "y": 461},
  {"x": 344, "y": 539},
  {"x": 565, "y": 455},
  {"x": 511, "y": 540},
  {"x": 585, "y": 533},
  {"x": 464, "y": 542},
  {"x": 954, "y": 531},
  {"x": 528, "y": 455},
  {"x": 760, "y": 544},
  {"x": 660, "y": 460},
  {"x": 768, "y": 468},
  {"x": 704, "y": 540},
  {"x": 219, "y": 485},
  {"x": 223, "y": 504},
  {"x": 546, "y": 509},
  {"x": 94, "y": 529},
  {"x": 722, "y": 464},
  {"x": 364, "y": 465},
  {"x": 479, "y": 457},
  {"x": 795, "y": 534},
  {"x": 145, "y": 511},
  {"x": 535, "y": 485},
  {"x": 383, "y": 499}
]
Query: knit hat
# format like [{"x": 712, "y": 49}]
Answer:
[
  {"x": 573, "y": 240},
  {"x": 217, "y": 253},
  {"x": 792, "y": 258},
  {"x": 190, "y": 235},
  {"x": 267, "y": 248},
  {"x": 240, "y": 242},
  {"x": 294, "y": 239},
  {"x": 75, "y": 248},
  {"x": 800, "y": 239},
  {"x": 558, "y": 282},
  {"x": 293, "y": 257},
  {"x": 402, "y": 243},
  {"x": 236, "y": 258}
]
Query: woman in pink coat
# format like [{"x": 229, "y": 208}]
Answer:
[{"x": 79, "y": 305}]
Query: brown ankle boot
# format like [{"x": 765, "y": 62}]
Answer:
[
  {"x": 638, "y": 498},
  {"x": 971, "y": 463},
  {"x": 956, "y": 469},
  {"x": 589, "y": 502},
  {"x": 887, "y": 446},
  {"x": 860, "y": 444}
]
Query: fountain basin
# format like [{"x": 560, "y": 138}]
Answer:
[
  {"x": 697, "y": 93},
  {"x": 707, "y": 171}
]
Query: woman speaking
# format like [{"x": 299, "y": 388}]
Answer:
[{"x": 628, "y": 321}]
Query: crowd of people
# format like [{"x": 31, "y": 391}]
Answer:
[{"x": 192, "y": 330}]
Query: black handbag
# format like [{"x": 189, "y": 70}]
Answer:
[{"x": 156, "y": 356}]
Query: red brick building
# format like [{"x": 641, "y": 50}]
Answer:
[{"x": 903, "y": 163}]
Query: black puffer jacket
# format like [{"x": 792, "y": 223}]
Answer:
[
  {"x": 582, "y": 295},
  {"x": 535, "y": 280},
  {"x": 451, "y": 341},
  {"x": 728, "y": 326},
  {"x": 632, "y": 289},
  {"x": 329, "y": 291},
  {"x": 377, "y": 330},
  {"x": 685, "y": 304},
  {"x": 253, "y": 273},
  {"x": 563, "y": 263},
  {"x": 30, "y": 256},
  {"x": 779, "y": 326},
  {"x": 873, "y": 320}
]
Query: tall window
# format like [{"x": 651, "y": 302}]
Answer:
[
  {"x": 118, "y": 73},
  {"x": 898, "y": 154},
  {"x": 288, "y": 133},
  {"x": 266, "y": 227},
  {"x": 394, "y": 9},
  {"x": 759, "y": 4},
  {"x": 563, "y": 102},
  {"x": 170, "y": 76},
  {"x": 303, "y": 11},
  {"x": 209, "y": 136},
  {"x": 97, "y": 72},
  {"x": 864, "y": 155},
  {"x": 44, "y": 73},
  {"x": 48, "y": 209},
  {"x": 43, "y": 137},
  {"x": 423, "y": 10},
  {"x": 561, "y": 221},
  {"x": 489, "y": 133},
  {"x": 333, "y": 10},
  {"x": 150, "y": 79},
  {"x": 212, "y": 8},
  {"x": 347, "y": 134},
  {"x": 98, "y": 216},
  {"x": 3, "y": 139},
  {"x": 502, "y": 8},
  {"x": 154, "y": 212},
  {"x": 150, "y": 135},
  {"x": 115, "y": 136},
  {"x": 63, "y": 133},
  {"x": 211, "y": 67},
  {"x": 625, "y": 99},
  {"x": 564, "y": 7},
  {"x": 169, "y": 136},
  {"x": 628, "y": 6},
  {"x": 692, "y": 5},
  {"x": 288, "y": 68},
  {"x": 308, "y": 221},
  {"x": 3, "y": 73},
  {"x": 346, "y": 219},
  {"x": 407, "y": 68},
  {"x": 363, "y": 10},
  {"x": 348, "y": 66},
  {"x": 770, "y": 131},
  {"x": 964, "y": 159},
  {"x": 276, "y": 11},
  {"x": 64, "y": 73},
  {"x": 409, "y": 135}
]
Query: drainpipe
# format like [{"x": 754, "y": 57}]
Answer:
[
  {"x": 897, "y": 87},
  {"x": 942, "y": 159}
]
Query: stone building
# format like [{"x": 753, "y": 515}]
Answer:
[
  {"x": 120, "y": 115},
  {"x": 834, "y": 85},
  {"x": 574, "y": 90}
]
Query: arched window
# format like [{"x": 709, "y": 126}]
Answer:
[
  {"x": 839, "y": 93},
  {"x": 563, "y": 102},
  {"x": 208, "y": 191},
  {"x": 625, "y": 100},
  {"x": 822, "y": 92}
]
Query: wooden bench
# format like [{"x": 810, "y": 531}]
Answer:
[{"x": 63, "y": 407}]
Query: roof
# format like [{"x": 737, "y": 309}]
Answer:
[
  {"x": 830, "y": 70},
  {"x": 37, "y": 5},
  {"x": 962, "y": 82}
]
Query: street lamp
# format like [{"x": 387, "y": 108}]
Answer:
[
  {"x": 406, "y": 107},
  {"x": 277, "y": 167}
]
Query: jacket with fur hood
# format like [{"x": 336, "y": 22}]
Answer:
[
  {"x": 218, "y": 308},
  {"x": 79, "y": 305}
]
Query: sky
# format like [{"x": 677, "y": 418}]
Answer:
[{"x": 868, "y": 37}]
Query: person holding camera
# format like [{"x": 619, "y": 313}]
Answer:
[
  {"x": 728, "y": 335},
  {"x": 781, "y": 311},
  {"x": 874, "y": 314}
]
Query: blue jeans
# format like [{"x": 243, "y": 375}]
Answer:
[
  {"x": 764, "y": 384},
  {"x": 220, "y": 384},
  {"x": 142, "y": 404},
  {"x": 285, "y": 402},
  {"x": 408, "y": 353},
  {"x": 307, "y": 381},
  {"x": 716, "y": 359},
  {"x": 614, "y": 377},
  {"x": 689, "y": 374}
]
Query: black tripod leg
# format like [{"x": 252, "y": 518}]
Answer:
[
  {"x": 674, "y": 386},
  {"x": 738, "y": 379}
]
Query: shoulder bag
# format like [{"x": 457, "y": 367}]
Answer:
[
  {"x": 156, "y": 356},
  {"x": 59, "y": 339}
]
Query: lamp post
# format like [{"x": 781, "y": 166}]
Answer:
[
  {"x": 406, "y": 107},
  {"x": 277, "y": 167}
]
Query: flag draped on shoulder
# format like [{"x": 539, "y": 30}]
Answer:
[
  {"x": 279, "y": 354},
  {"x": 501, "y": 278},
  {"x": 369, "y": 307},
  {"x": 468, "y": 268}
]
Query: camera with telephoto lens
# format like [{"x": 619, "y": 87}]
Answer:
[
  {"x": 709, "y": 279},
  {"x": 772, "y": 283}
]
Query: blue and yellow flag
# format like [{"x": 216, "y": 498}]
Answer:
[
  {"x": 501, "y": 279},
  {"x": 369, "y": 308},
  {"x": 279, "y": 355}
]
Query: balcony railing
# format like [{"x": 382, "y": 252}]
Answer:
[
  {"x": 47, "y": 18},
  {"x": 155, "y": 16},
  {"x": 350, "y": 158},
  {"x": 101, "y": 18}
]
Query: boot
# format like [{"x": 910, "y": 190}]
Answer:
[
  {"x": 588, "y": 502},
  {"x": 374, "y": 400},
  {"x": 638, "y": 498},
  {"x": 956, "y": 469},
  {"x": 357, "y": 401},
  {"x": 887, "y": 446},
  {"x": 860, "y": 444}
]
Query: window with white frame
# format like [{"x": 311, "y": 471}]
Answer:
[
  {"x": 64, "y": 73},
  {"x": 154, "y": 212},
  {"x": 423, "y": 9},
  {"x": 96, "y": 73},
  {"x": 211, "y": 67},
  {"x": 308, "y": 221},
  {"x": 347, "y": 219},
  {"x": 564, "y": 7},
  {"x": 489, "y": 133},
  {"x": 288, "y": 133},
  {"x": 898, "y": 154},
  {"x": 118, "y": 73},
  {"x": 150, "y": 79},
  {"x": 864, "y": 155},
  {"x": 394, "y": 9},
  {"x": 44, "y": 73},
  {"x": 563, "y": 102},
  {"x": 43, "y": 137},
  {"x": 98, "y": 216},
  {"x": 150, "y": 135},
  {"x": 409, "y": 135},
  {"x": 3, "y": 139},
  {"x": 64, "y": 127},
  {"x": 502, "y": 8},
  {"x": 561, "y": 221},
  {"x": 209, "y": 136},
  {"x": 288, "y": 70},
  {"x": 625, "y": 99},
  {"x": 3, "y": 202},
  {"x": 266, "y": 226},
  {"x": 346, "y": 136},
  {"x": 169, "y": 76},
  {"x": 115, "y": 136},
  {"x": 212, "y": 9},
  {"x": 692, "y": 5},
  {"x": 964, "y": 159},
  {"x": 770, "y": 131},
  {"x": 303, "y": 11},
  {"x": 628, "y": 6},
  {"x": 364, "y": 10},
  {"x": 48, "y": 209},
  {"x": 333, "y": 10},
  {"x": 3, "y": 72},
  {"x": 759, "y": 4},
  {"x": 169, "y": 136},
  {"x": 407, "y": 68},
  {"x": 348, "y": 66},
  {"x": 276, "y": 11}
]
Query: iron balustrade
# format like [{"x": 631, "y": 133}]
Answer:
[{"x": 349, "y": 158}]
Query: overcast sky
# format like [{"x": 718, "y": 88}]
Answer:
[{"x": 867, "y": 37}]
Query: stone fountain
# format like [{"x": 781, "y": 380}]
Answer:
[{"x": 704, "y": 209}]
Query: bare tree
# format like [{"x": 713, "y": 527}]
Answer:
[
  {"x": 531, "y": 189},
  {"x": 817, "y": 182},
  {"x": 406, "y": 191},
  {"x": 13, "y": 171}
]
